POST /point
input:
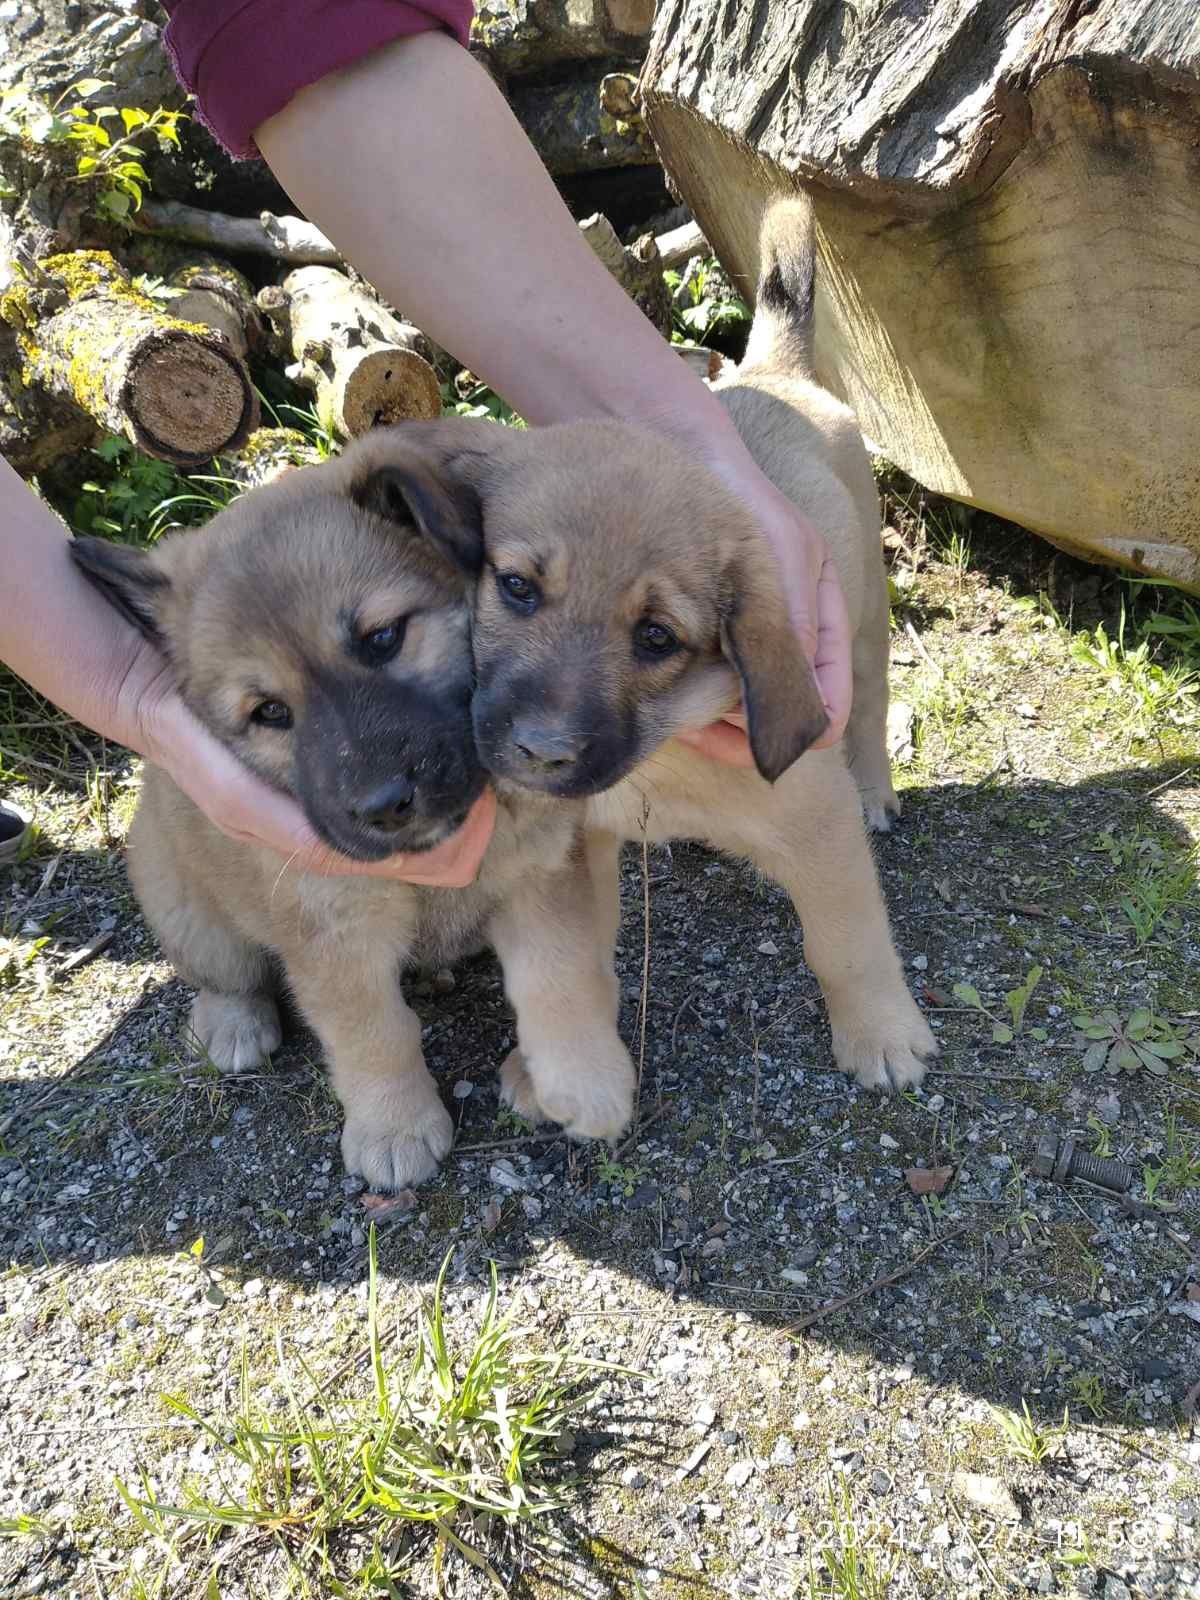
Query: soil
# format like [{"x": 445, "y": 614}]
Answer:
[{"x": 1049, "y": 822}]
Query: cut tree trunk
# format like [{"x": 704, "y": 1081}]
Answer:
[
  {"x": 175, "y": 389},
  {"x": 360, "y": 362},
  {"x": 1008, "y": 236},
  {"x": 285, "y": 238},
  {"x": 217, "y": 295}
]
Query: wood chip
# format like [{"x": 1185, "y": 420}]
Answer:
[{"x": 928, "y": 1180}]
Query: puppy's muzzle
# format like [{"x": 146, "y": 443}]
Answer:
[
  {"x": 386, "y": 809},
  {"x": 544, "y": 747}
]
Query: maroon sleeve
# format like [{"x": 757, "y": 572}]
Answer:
[{"x": 245, "y": 59}]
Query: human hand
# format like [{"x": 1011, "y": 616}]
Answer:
[
  {"x": 810, "y": 582},
  {"x": 247, "y": 809}
]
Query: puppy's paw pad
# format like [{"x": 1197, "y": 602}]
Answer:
[
  {"x": 889, "y": 1055},
  {"x": 399, "y": 1156},
  {"x": 517, "y": 1091},
  {"x": 236, "y": 1032}
]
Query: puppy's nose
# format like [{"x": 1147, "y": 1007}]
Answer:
[
  {"x": 386, "y": 807},
  {"x": 548, "y": 745}
]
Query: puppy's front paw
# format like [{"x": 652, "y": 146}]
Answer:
[
  {"x": 881, "y": 808},
  {"x": 589, "y": 1088},
  {"x": 237, "y": 1032},
  {"x": 886, "y": 1046},
  {"x": 394, "y": 1139}
]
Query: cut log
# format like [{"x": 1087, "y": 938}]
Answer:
[
  {"x": 1007, "y": 230},
  {"x": 571, "y": 131},
  {"x": 217, "y": 295},
  {"x": 285, "y": 238},
  {"x": 267, "y": 454},
  {"x": 676, "y": 248},
  {"x": 175, "y": 389},
  {"x": 636, "y": 267},
  {"x": 360, "y": 362}
]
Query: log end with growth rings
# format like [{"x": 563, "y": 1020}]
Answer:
[{"x": 388, "y": 386}]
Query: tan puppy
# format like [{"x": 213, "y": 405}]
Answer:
[
  {"x": 627, "y": 597},
  {"x": 317, "y": 631}
]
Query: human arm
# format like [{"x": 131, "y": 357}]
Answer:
[
  {"x": 59, "y": 635},
  {"x": 412, "y": 162}
]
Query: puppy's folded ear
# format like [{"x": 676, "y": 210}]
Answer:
[
  {"x": 429, "y": 495},
  {"x": 130, "y": 580},
  {"x": 784, "y": 710}
]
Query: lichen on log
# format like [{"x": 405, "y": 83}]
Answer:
[{"x": 175, "y": 389}]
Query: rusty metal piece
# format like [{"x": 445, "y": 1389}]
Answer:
[{"x": 1060, "y": 1160}]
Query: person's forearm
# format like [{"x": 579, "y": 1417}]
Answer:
[
  {"x": 413, "y": 163},
  {"x": 56, "y": 632}
]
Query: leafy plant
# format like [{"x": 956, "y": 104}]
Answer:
[
  {"x": 1027, "y": 1439},
  {"x": 1016, "y": 1000},
  {"x": 703, "y": 303},
  {"x": 112, "y": 163},
  {"x": 1153, "y": 693},
  {"x": 122, "y": 500},
  {"x": 1088, "y": 1388},
  {"x": 478, "y": 401},
  {"x": 1143, "y": 1041},
  {"x": 624, "y": 1178}
]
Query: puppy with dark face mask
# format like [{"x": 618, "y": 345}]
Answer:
[
  {"x": 320, "y": 628},
  {"x": 625, "y": 597}
]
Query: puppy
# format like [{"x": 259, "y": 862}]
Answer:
[
  {"x": 320, "y": 630},
  {"x": 626, "y": 597}
]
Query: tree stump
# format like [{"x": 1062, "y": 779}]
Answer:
[
  {"x": 360, "y": 362},
  {"x": 1008, "y": 230},
  {"x": 175, "y": 389}
]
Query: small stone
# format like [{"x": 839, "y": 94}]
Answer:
[
  {"x": 886, "y": 1142},
  {"x": 705, "y": 1414},
  {"x": 252, "y": 1288},
  {"x": 634, "y": 1478},
  {"x": 807, "y": 1256},
  {"x": 941, "y": 1537},
  {"x": 1086, "y": 1310},
  {"x": 879, "y": 1483},
  {"x": 739, "y": 1474},
  {"x": 784, "y": 1453},
  {"x": 919, "y": 963},
  {"x": 463, "y": 1089},
  {"x": 936, "y": 1102},
  {"x": 531, "y": 1207},
  {"x": 713, "y": 1247},
  {"x": 988, "y": 1493},
  {"x": 768, "y": 948},
  {"x": 505, "y": 1176}
]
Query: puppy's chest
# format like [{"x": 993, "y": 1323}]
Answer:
[{"x": 532, "y": 836}]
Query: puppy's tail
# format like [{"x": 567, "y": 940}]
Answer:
[{"x": 781, "y": 335}]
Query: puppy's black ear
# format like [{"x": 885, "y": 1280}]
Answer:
[
  {"x": 128, "y": 579},
  {"x": 430, "y": 496},
  {"x": 784, "y": 710}
]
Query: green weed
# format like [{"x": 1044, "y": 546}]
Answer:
[
  {"x": 704, "y": 303},
  {"x": 1028, "y": 1440},
  {"x": 1016, "y": 1000},
  {"x": 1142, "y": 1042},
  {"x": 463, "y": 1440}
]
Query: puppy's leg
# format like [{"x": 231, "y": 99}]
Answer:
[
  {"x": 866, "y": 732},
  {"x": 604, "y": 869},
  {"x": 397, "y": 1129},
  {"x": 570, "y": 1065},
  {"x": 234, "y": 1019},
  {"x": 809, "y": 837}
]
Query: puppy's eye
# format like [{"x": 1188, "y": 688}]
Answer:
[
  {"x": 654, "y": 639},
  {"x": 519, "y": 592},
  {"x": 381, "y": 644},
  {"x": 272, "y": 714}
]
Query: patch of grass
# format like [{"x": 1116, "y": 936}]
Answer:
[
  {"x": 1146, "y": 694},
  {"x": 1088, "y": 1389},
  {"x": 848, "y": 1563},
  {"x": 465, "y": 1441},
  {"x": 1028, "y": 1440}
]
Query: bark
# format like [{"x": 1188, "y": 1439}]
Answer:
[
  {"x": 217, "y": 295},
  {"x": 175, "y": 389},
  {"x": 362, "y": 364},
  {"x": 676, "y": 248},
  {"x": 1007, "y": 232},
  {"x": 637, "y": 268}
]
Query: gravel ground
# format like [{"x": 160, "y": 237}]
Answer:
[{"x": 760, "y": 1189}]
